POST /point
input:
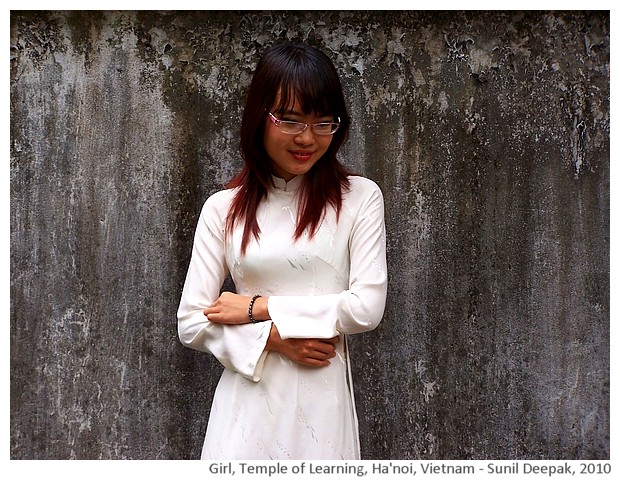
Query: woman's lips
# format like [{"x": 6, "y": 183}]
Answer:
[{"x": 302, "y": 156}]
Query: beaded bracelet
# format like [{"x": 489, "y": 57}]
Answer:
[{"x": 250, "y": 315}]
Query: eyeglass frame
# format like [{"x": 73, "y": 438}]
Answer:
[{"x": 276, "y": 121}]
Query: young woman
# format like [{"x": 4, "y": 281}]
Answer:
[{"x": 304, "y": 243}]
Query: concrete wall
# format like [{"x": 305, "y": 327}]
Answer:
[{"x": 489, "y": 135}]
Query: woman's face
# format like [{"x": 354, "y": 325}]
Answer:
[{"x": 295, "y": 154}]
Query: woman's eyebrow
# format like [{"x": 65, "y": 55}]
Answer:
[
  {"x": 292, "y": 112},
  {"x": 297, "y": 113}
]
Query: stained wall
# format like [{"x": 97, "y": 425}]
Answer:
[{"x": 488, "y": 133}]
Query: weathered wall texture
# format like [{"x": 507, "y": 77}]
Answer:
[{"x": 489, "y": 135}]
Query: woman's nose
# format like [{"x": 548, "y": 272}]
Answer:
[{"x": 306, "y": 137}]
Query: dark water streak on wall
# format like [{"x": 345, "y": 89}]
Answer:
[{"x": 489, "y": 135}]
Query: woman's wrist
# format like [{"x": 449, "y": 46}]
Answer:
[
  {"x": 273, "y": 341},
  {"x": 258, "y": 310}
]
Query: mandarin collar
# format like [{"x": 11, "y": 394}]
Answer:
[{"x": 291, "y": 186}]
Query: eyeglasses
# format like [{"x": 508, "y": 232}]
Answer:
[{"x": 296, "y": 128}]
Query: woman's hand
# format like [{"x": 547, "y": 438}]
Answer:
[
  {"x": 311, "y": 352},
  {"x": 232, "y": 309}
]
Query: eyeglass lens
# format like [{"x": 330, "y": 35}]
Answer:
[{"x": 322, "y": 128}]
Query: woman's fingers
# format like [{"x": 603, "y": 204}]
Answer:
[
  {"x": 326, "y": 348},
  {"x": 333, "y": 340},
  {"x": 311, "y": 352},
  {"x": 315, "y": 352}
]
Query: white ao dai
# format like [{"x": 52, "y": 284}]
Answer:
[{"x": 266, "y": 406}]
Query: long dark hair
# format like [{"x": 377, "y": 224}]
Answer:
[{"x": 306, "y": 74}]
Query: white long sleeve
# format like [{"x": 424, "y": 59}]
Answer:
[{"x": 239, "y": 348}]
